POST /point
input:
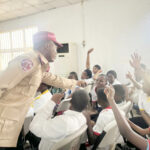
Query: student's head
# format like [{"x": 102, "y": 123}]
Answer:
[
  {"x": 43, "y": 87},
  {"x": 45, "y": 43},
  {"x": 101, "y": 98},
  {"x": 86, "y": 74},
  {"x": 79, "y": 100},
  {"x": 101, "y": 81},
  {"x": 120, "y": 93},
  {"x": 73, "y": 75},
  {"x": 111, "y": 76},
  {"x": 96, "y": 68}
]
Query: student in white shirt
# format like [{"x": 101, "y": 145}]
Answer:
[
  {"x": 52, "y": 130},
  {"x": 100, "y": 83},
  {"x": 120, "y": 94},
  {"x": 112, "y": 77},
  {"x": 105, "y": 116}
]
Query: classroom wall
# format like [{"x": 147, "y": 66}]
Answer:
[{"x": 115, "y": 28}]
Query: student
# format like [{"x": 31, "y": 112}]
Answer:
[
  {"x": 119, "y": 94},
  {"x": 55, "y": 129},
  {"x": 96, "y": 68},
  {"x": 100, "y": 83},
  {"x": 86, "y": 74},
  {"x": 73, "y": 75},
  {"x": 112, "y": 77},
  {"x": 123, "y": 125},
  {"x": 106, "y": 115}
]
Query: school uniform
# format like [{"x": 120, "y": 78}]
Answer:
[
  {"x": 104, "y": 118},
  {"x": 116, "y": 82},
  {"x": 52, "y": 130}
]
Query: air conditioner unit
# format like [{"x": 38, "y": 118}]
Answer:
[{"x": 66, "y": 60}]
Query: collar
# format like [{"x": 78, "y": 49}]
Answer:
[
  {"x": 109, "y": 107},
  {"x": 46, "y": 91},
  {"x": 72, "y": 112},
  {"x": 42, "y": 59}
]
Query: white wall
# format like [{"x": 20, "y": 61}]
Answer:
[{"x": 115, "y": 28}]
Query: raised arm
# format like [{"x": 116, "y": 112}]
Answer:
[
  {"x": 135, "y": 83},
  {"x": 123, "y": 125},
  {"x": 88, "y": 58}
]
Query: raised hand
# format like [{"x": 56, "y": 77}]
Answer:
[
  {"x": 109, "y": 92},
  {"x": 90, "y": 50},
  {"x": 135, "y": 61},
  {"x": 57, "y": 97},
  {"x": 129, "y": 75}
]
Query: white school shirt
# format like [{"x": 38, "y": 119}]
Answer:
[
  {"x": 41, "y": 99},
  {"x": 52, "y": 130},
  {"x": 116, "y": 82},
  {"x": 94, "y": 95},
  {"x": 144, "y": 103},
  {"x": 104, "y": 118}
]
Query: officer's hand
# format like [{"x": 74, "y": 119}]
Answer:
[
  {"x": 57, "y": 97},
  {"x": 81, "y": 83}
]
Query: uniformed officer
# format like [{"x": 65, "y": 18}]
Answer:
[{"x": 20, "y": 81}]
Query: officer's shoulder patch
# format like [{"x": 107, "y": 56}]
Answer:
[{"x": 26, "y": 64}]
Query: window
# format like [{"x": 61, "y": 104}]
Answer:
[{"x": 15, "y": 43}]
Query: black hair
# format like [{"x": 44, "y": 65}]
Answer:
[
  {"x": 98, "y": 67},
  {"x": 88, "y": 72},
  {"x": 101, "y": 95},
  {"x": 75, "y": 74},
  {"x": 80, "y": 100},
  {"x": 120, "y": 91},
  {"x": 102, "y": 75},
  {"x": 113, "y": 72}
]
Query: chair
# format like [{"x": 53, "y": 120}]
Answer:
[
  {"x": 108, "y": 138},
  {"x": 71, "y": 142}
]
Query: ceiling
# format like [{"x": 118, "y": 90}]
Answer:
[{"x": 12, "y": 9}]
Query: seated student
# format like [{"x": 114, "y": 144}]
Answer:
[
  {"x": 105, "y": 116},
  {"x": 119, "y": 94},
  {"x": 100, "y": 83},
  {"x": 112, "y": 77},
  {"x": 86, "y": 74},
  {"x": 144, "y": 104},
  {"x": 55, "y": 129},
  {"x": 123, "y": 125},
  {"x": 72, "y": 75},
  {"x": 96, "y": 68}
]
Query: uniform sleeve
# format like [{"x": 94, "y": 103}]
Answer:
[
  {"x": 99, "y": 126},
  {"x": 46, "y": 127},
  {"x": 59, "y": 82},
  {"x": 15, "y": 72}
]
